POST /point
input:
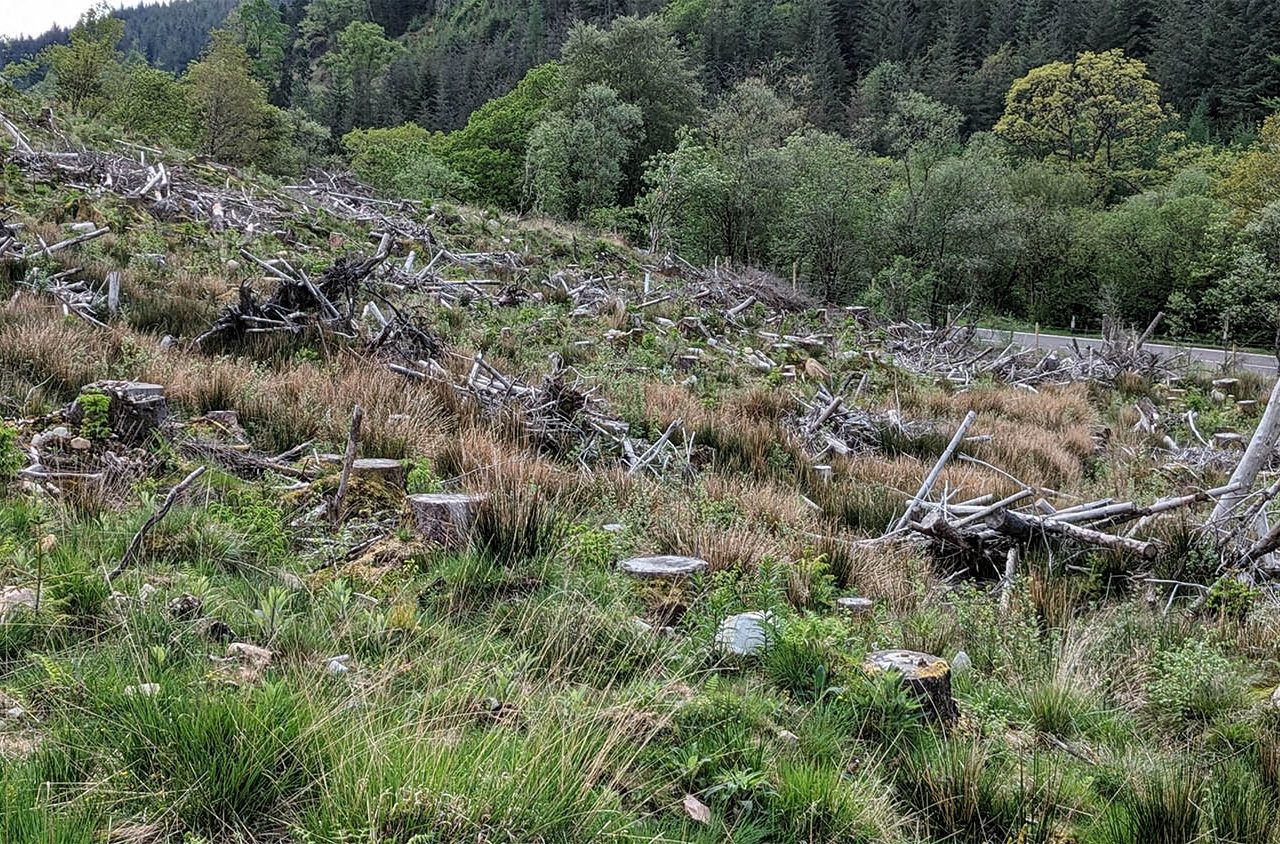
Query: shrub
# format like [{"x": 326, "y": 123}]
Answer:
[
  {"x": 1196, "y": 681},
  {"x": 95, "y": 423},
  {"x": 1230, "y": 598},
  {"x": 517, "y": 524},
  {"x": 967, "y": 793},
  {"x": 422, "y": 479},
  {"x": 11, "y": 459},
  {"x": 228, "y": 759},
  {"x": 882, "y": 711},
  {"x": 807, "y": 656},
  {"x": 1057, "y": 710},
  {"x": 1236, "y": 813}
]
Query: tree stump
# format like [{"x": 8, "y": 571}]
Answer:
[
  {"x": 667, "y": 567},
  {"x": 380, "y": 470},
  {"x": 445, "y": 518},
  {"x": 927, "y": 677},
  {"x": 854, "y": 605},
  {"x": 136, "y": 409}
]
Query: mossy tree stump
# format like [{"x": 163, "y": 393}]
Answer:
[
  {"x": 380, "y": 470},
  {"x": 445, "y": 518},
  {"x": 135, "y": 410},
  {"x": 927, "y": 677}
]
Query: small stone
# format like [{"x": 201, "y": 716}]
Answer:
[
  {"x": 12, "y": 597},
  {"x": 855, "y": 605},
  {"x": 961, "y": 663},
  {"x": 338, "y": 665},
  {"x": 12, "y": 709},
  {"x": 696, "y": 809},
  {"x": 667, "y": 566},
  {"x": 745, "y": 634},
  {"x": 251, "y": 654},
  {"x": 59, "y": 434},
  {"x": 788, "y": 738},
  {"x": 80, "y": 444},
  {"x": 291, "y": 581},
  {"x": 228, "y": 419},
  {"x": 142, "y": 690},
  {"x": 184, "y": 607},
  {"x": 613, "y": 527},
  {"x": 218, "y": 630}
]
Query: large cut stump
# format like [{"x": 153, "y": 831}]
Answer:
[
  {"x": 445, "y": 518},
  {"x": 927, "y": 677},
  {"x": 136, "y": 409},
  {"x": 667, "y": 567},
  {"x": 379, "y": 470},
  {"x": 854, "y": 605}
]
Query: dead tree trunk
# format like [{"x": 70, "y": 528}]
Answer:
[{"x": 1255, "y": 457}]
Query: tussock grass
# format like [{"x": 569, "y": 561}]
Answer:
[{"x": 522, "y": 689}]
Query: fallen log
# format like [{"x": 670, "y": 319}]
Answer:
[
  {"x": 1256, "y": 455},
  {"x": 1024, "y": 526}
]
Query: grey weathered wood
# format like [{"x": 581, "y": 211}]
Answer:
[
  {"x": 668, "y": 566},
  {"x": 380, "y": 469},
  {"x": 136, "y": 408},
  {"x": 1256, "y": 455},
  {"x": 136, "y": 543},
  {"x": 1023, "y": 526},
  {"x": 353, "y": 441},
  {"x": 854, "y": 605},
  {"x": 914, "y": 505},
  {"x": 445, "y": 519},
  {"x": 113, "y": 292}
]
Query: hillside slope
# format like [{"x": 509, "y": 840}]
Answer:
[{"x": 215, "y": 627}]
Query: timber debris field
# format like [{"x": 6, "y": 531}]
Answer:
[{"x": 332, "y": 514}]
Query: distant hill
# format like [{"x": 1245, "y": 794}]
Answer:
[{"x": 169, "y": 34}]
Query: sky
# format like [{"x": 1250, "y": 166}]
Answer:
[{"x": 32, "y": 17}]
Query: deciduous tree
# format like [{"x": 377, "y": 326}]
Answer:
[
  {"x": 1096, "y": 111},
  {"x": 575, "y": 159}
]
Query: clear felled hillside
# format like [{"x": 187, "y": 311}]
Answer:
[{"x": 229, "y": 614}]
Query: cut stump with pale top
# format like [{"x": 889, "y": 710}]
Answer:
[
  {"x": 380, "y": 469},
  {"x": 667, "y": 567},
  {"x": 927, "y": 677},
  {"x": 445, "y": 518}
]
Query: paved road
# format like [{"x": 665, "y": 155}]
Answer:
[{"x": 1252, "y": 361}]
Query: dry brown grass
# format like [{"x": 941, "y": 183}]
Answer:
[
  {"x": 1043, "y": 438},
  {"x": 281, "y": 405},
  {"x": 767, "y": 506},
  {"x": 891, "y": 572}
]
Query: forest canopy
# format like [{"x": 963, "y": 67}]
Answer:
[{"x": 1050, "y": 162}]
